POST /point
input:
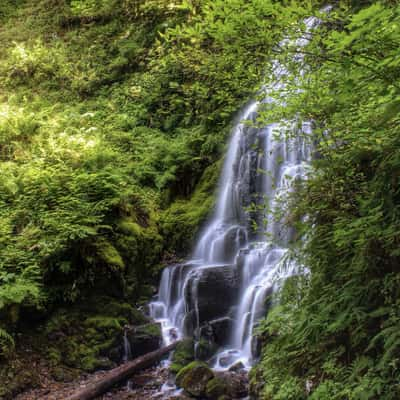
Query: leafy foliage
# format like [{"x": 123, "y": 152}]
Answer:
[
  {"x": 340, "y": 341},
  {"x": 110, "y": 114}
]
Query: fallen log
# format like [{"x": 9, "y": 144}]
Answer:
[{"x": 120, "y": 374}]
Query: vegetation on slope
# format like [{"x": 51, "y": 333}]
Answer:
[{"x": 110, "y": 113}]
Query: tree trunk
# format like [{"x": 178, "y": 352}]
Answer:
[{"x": 120, "y": 374}]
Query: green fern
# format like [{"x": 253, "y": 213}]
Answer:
[{"x": 7, "y": 343}]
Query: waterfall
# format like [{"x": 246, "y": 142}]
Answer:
[
  {"x": 220, "y": 294},
  {"x": 234, "y": 267}
]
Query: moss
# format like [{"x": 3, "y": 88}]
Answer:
[
  {"x": 149, "y": 329},
  {"x": 128, "y": 227},
  {"x": 205, "y": 349},
  {"x": 101, "y": 323},
  {"x": 92, "y": 363},
  {"x": 89, "y": 336},
  {"x": 54, "y": 356},
  {"x": 216, "y": 388},
  {"x": 183, "y": 355},
  {"x": 182, "y": 220},
  {"x": 125, "y": 310},
  {"x": 109, "y": 254},
  {"x": 140, "y": 246},
  {"x": 194, "y": 378}
]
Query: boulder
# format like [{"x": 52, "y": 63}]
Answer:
[
  {"x": 216, "y": 388},
  {"x": 210, "y": 293},
  {"x": 237, "y": 383},
  {"x": 144, "y": 339},
  {"x": 194, "y": 378}
]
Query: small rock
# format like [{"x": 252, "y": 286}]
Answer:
[{"x": 239, "y": 366}]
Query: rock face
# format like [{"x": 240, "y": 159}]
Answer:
[
  {"x": 144, "y": 339},
  {"x": 222, "y": 329},
  {"x": 194, "y": 378},
  {"x": 209, "y": 294}
]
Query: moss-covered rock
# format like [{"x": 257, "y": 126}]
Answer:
[
  {"x": 194, "y": 378},
  {"x": 205, "y": 349},
  {"x": 90, "y": 337},
  {"x": 236, "y": 383},
  {"x": 183, "y": 355},
  {"x": 144, "y": 338},
  {"x": 216, "y": 388}
]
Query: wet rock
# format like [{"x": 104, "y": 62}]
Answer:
[
  {"x": 210, "y": 293},
  {"x": 216, "y": 388},
  {"x": 222, "y": 329},
  {"x": 194, "y": 378},
  {"x": 239, "y": 366},
  {"x": 144, "y": 339},
  {"x": 237, "y": 383},
  {"x": 228, "y": 358},
  {"x": 256, "y": 346},
  {"x": 204, "y": 349},
  {"x": 216, "y": 331}
]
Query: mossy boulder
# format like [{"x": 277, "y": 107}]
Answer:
[
  {"x": 216, "y": 388},
  {"x": 144, "y": 338},
  {"x": 194, "y": 378},
  {"x": 90, "y": 336},
  {"x": 183, "y": 355},
  {"x": 236, "y": 384}
]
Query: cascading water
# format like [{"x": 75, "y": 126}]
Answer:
[
  {"x": 220, "y": 294},
  {"x": 223, "y": 288}
]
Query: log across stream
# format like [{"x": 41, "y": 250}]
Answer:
[{"x": 121, "y": 374}]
